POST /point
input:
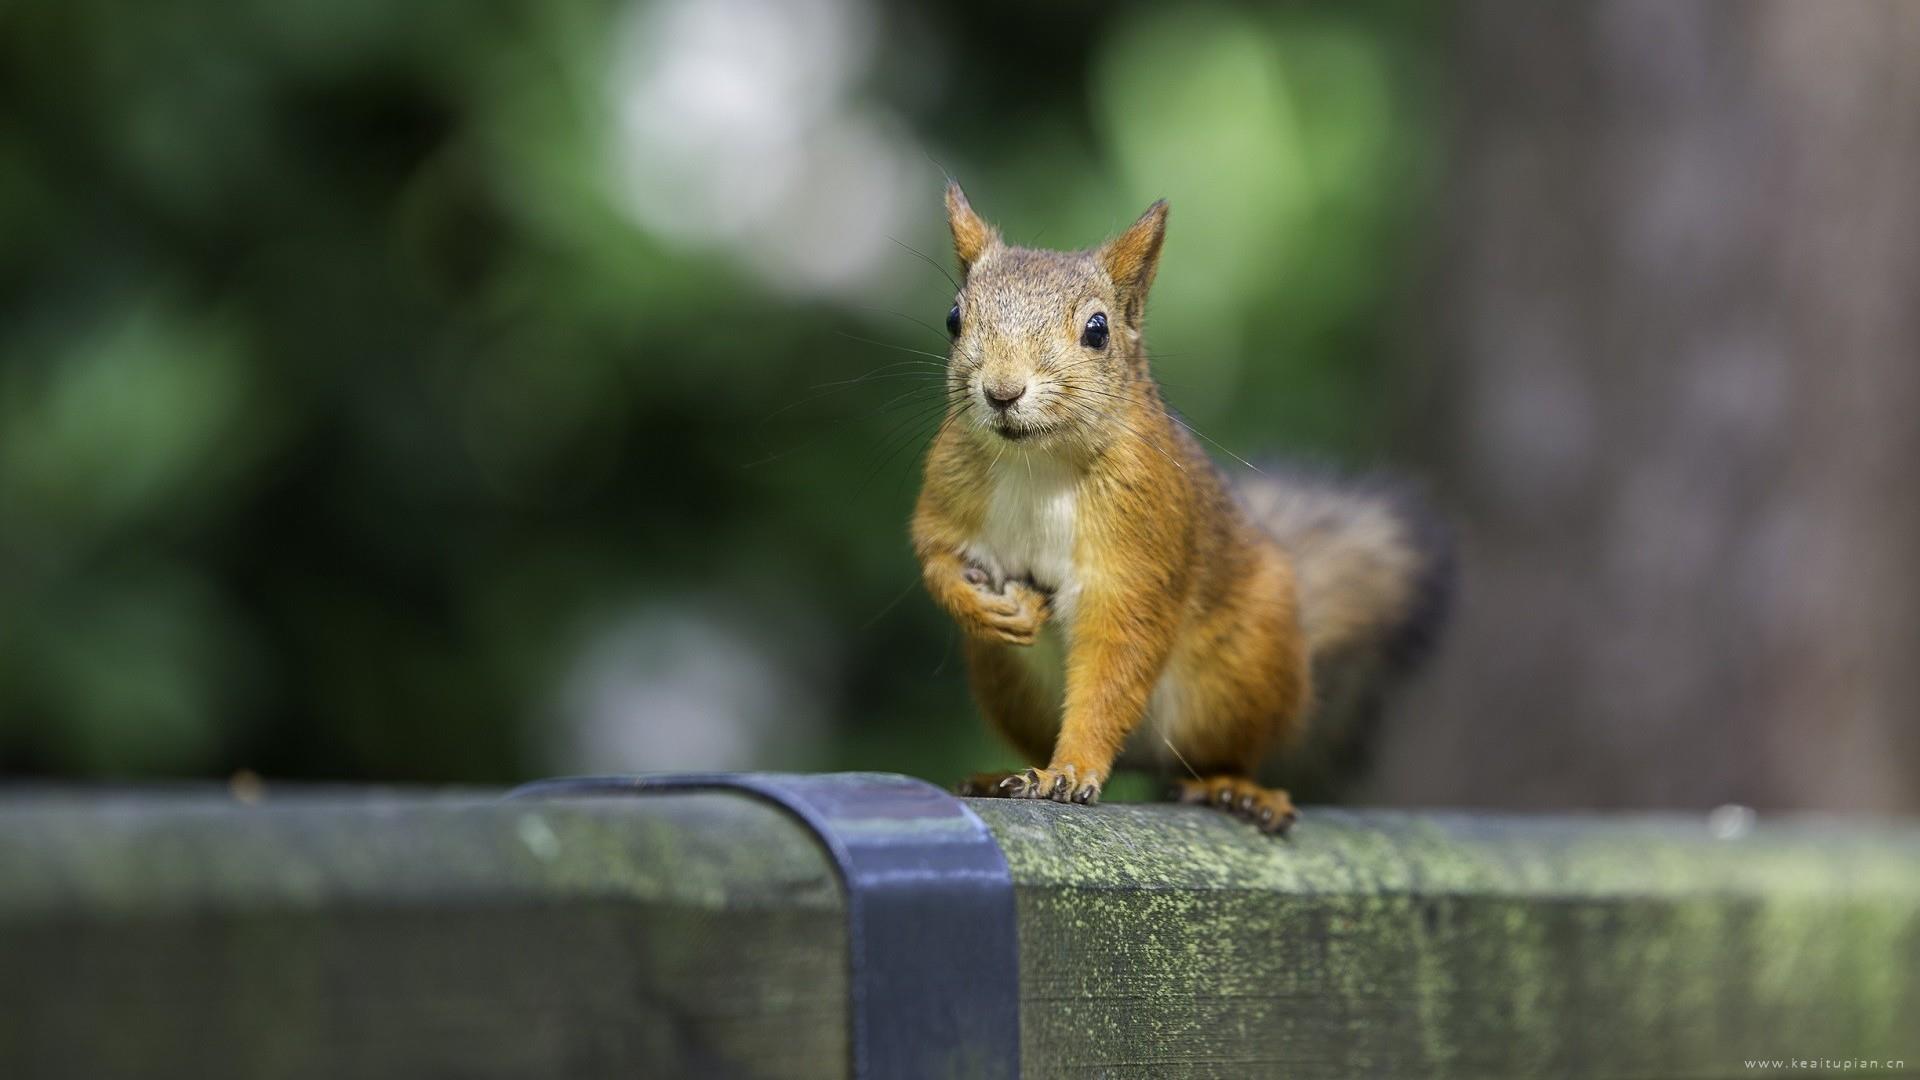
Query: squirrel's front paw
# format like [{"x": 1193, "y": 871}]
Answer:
[
  {"x": 1013, "y": 614},
  {"x": 1061, "y": 783}
]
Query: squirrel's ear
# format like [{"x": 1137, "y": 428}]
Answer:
[
  {"x": 971, "y": 236},
  {"x": 1131, "y": 258}
]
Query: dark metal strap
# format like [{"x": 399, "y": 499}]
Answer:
[{"x": 930, "y": 917}]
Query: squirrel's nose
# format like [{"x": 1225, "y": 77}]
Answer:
[{"x": 1003, "y": 396}]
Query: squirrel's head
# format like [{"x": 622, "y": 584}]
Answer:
[{"x": 1046, "y": 343}]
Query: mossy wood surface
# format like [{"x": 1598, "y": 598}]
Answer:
[{"x": 345, "y": 936}]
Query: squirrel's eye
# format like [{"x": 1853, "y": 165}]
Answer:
[
  {"x": 953, "y": 321},
  {"x": 1095, "y": 335}
]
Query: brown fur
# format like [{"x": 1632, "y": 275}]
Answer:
[
  {"x": 1169, "y": 579},
  {"x": 1375, "y": 572}
]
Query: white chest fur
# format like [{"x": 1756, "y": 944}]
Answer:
[
  {"x": 1031, "y": 524},
  {"x": 1029, "y": 532},
  {"x": 1030, "y": 527}
]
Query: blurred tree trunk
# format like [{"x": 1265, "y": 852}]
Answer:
[{"x": 1674, "y": 354}]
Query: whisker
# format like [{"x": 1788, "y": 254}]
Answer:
[
  {"x": 828, "y": 389},
  {"x": 1175, "y": 417},
  {"x": 928, "y": 259},
  {"x": 897, "y": 364},
  {"x": 1091, "y": 416},
  {"x": 926, "y": 446},
  {"x": 925, "y": 413},
  {"x": 1176, "y": 750},
  {"x": 1171, "y": 415},
  {"x": 918, "y": 395},
  {"x": 902, "y": 445},
  {"x": 891, "y": 604},
  {"x": 930, "y": 328},
  {"x": 878, "y": 376},
  {"x": 889, "y": 345}
]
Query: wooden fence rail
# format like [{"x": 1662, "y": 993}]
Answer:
[{"x": 355, "y": 934}]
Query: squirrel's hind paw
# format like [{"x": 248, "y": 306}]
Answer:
[
  {"x": 1269, "y": 808},
  {"x": 985, "y": 785}
]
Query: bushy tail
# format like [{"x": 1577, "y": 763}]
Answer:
[{"x": 1375, "y": 572}]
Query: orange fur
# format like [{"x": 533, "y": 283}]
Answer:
[{"x": 1172, "y": 588}]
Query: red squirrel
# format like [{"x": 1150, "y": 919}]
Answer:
[{"x": 1123, "y": 601}]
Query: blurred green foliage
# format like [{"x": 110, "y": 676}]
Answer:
[{"x": 346, "y": 402}]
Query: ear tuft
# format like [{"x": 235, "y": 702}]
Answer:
[
  {"x": 971, "y": 236},
  {"x": 1131, "y": 258}
]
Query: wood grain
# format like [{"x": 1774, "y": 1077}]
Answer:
[{"x": 702, "y": 935}]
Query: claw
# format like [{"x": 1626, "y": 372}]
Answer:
[
  {"x": 1064, "y": 785},
  {"x": 1026, "y": 785},
  {"x": 1279, "y": 825},
  {"x": 1268, "y": 809}
]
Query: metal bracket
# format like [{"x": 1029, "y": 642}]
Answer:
[{"x": 934, "y": 953}]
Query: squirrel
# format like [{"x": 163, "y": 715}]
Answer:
[{"x": 1123, "y": 601}]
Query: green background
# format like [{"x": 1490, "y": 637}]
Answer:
[{"x": 386, "y": 391}]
